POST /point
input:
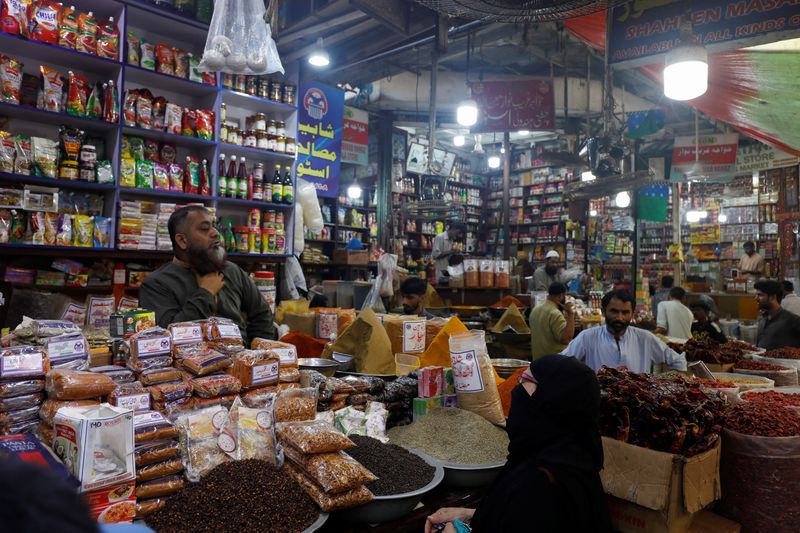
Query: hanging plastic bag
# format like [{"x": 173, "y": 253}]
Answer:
[
  {"x": 373, "y": 300},
  {"x": 387, "y": 265},
  {"x": 299, "y": 239},
  {"x": 239, "y": 40},
  {"x": 307, "y": 197}
]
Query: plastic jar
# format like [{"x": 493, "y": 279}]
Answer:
[
  {"x": 280, "y": 128},
  {"x": 69, "y": 170},
  {"x": 260, "y": 122},
  {"x": 280, "y": 144},
  {"x": 262, "y": 140},
  {"x": 263, "y": 87},
  {"x": 291, "y": 146},
  {"x": 242, "y": 235},
  {"x": 251, "y": 85},
  {"x": 288, "y": 94},
  {"x": 275, "y": 90},
  {"x": 88, "y": 154},
  {"x": 250, "y": 139},
  {"x": 272, "y": 127},
  {"x": 272, "y": 143}
]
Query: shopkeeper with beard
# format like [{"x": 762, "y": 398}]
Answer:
[
  {"x": 548, "y": 273},
  {"x": 199, "y": 283},
  {"x": 617, "y": 344}
]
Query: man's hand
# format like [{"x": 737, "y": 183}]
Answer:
[
  {"x": 212, "y": 282},
  {"x": 569, "y": 310}
]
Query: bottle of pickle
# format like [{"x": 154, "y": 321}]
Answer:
[{"x": 288, "y": 186}]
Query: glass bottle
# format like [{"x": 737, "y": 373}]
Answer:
[
  {"x": 242, "y": 179},
  {"x": 233, "y": 184},
  {"x": 288, "y": 186},
  {"x": 277, "y": 186}
]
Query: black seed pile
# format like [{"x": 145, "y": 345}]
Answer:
[
  {"x": 398, "y": 470},
  {"x": 239, "y": 496}
]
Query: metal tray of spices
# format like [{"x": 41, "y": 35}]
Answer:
[
  {"x": 388, "y": 508},
  {"x": 323, "y": 517},
  {"x": 470, "y": 476}
]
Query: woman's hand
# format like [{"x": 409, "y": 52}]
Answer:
[{"x": 446, "y": 515}]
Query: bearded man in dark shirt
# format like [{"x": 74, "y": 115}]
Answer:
[{"x": 199, "y": 283}]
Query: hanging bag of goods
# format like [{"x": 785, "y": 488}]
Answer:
[
  {"x": 474, "y": 376},
  {"x": 239, "y": 40}
]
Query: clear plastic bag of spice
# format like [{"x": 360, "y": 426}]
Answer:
[
  {"x": 474, "y": 376},
  {"x": 312, "y": 436},
  {"x": 330, "y": 502},
  {"x": 249, "y": 434},
  {"x": 334, "y": 472},
  {"x": 294, "y": 405}
]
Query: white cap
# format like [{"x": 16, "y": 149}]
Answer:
[{"x": 552, "y": 253}]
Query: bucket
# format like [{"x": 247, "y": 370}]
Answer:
[
  {"x": 360, "y": 292},
  {"x": 748, "y": 332},
  {"x": 730, "y": 328},
  {"x": 344, "y": 295},
  {"x": 329, "y": 290}
]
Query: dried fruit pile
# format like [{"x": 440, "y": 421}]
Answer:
[
  {"x": 713, "y": 352},
  {"x": 669, "y": 415},
  {"x": 762, "y": 420},
  {"x": 783, "y": 353},
  {"x": 773, "y": 398}
]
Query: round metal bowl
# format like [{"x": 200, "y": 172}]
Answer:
[
  {"x": 471, "y": 476},
  {"x": 326, "y": 367},
  {"x": 443, "y": 312},
  {"x": 467, "y": 311},
  {"x": 498, "y": 312},
  {"x": 323, "y": 517},
  {"x": 345, "y": 361},
  {"x": 388, "y": 508},
  {"x": 506, "y": 367}
]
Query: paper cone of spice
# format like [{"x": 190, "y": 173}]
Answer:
[{"x": 365, "y": 340}]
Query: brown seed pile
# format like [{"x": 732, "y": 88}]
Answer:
[
  {"x": 250, "y": 495},
  {"x": 398, "y": 470}
]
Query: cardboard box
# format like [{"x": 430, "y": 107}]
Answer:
[
  {"x": 113, "y": 505},
  {"x": 431, "y": 381},
  {"x": 350, "y": 257},
  {"x": 627, "y": 517},
  {"x": 125, "y": 323},
  {"x": 667, "y": 489},
  {"x": 30, "y": 450},
  {"x": 421, "y": 406},
  {"x": 96, "y": 444}
]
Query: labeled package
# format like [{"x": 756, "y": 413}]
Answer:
[
  {"x": 157, "y": 470},
  {"x": 115, "y": 504},
  {"x": 70, "y": 351},
  {"x": 23, "y": 363},
  {"x": 294, "y": 405},
  {"x": 186, "y": 333},
  {"x": 206, "y": 362},
  {"x": 312, "y": 436},
  {"x": 222, "y": 330},
  {"x": 49, "y": 408},
  {"x": 19, "y": 388},
  {"x": 156, "y": 452},
  {"x": 334, "y": 472},
  {"x": 87, "y": 33},
  {"x": 170, "y": 392},
  {"x": 255, "y": 368},
  {"x": 215, "y": 385},
  {"x": 96, "y": 444},
  {"x": 155, "y": 342},
  {"x": 474, "y": 376},
  {"x": 199, "y": 431},
  {"x": 248, "y": 434},
  {"x": 131, "y": 396},
  {"x": 154, "y": 376},
  {"x": 285, "y": 351},
  {"x": 152, "y": 426}
]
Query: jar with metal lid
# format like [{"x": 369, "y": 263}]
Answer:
[
  {"x": 275, "y": 90},
  {"x": 280, "y": 144},
  {"x": 223, "y": 112},
  {"x": 239, "y": 137},
  {"x": 262, "y": 140},
  {"x": 88, "y": 154},
  {"x": 223, "y": 132},
  {"x": 263, "y": 87},
  {"x": 272, "y": 127},
  {"x": 280, "y": 128},
  {"x": 260, "y": 122},
  {"x": 291, "y": 146},
  {"x": 251, "y": 85},
  {"x": 272, "y": 143},
  {"x": 240, "y": 83},
  {"x": 250, "y": 139},
  {"x": 87, "y": 172},
  {"x": 68, "y": 170},
  {"x": 288, "y": 94}
]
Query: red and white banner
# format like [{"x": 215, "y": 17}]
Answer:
[{"x": 717, "y": 155}]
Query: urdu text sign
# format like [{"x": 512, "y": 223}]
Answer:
[{"x": 320, "y": 118}]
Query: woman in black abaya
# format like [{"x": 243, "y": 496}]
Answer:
[{"x": 551, "y": 482}]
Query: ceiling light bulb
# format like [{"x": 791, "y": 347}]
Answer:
[
  {"x": 354, "y": 192},
  {"x": 502, "y": 150},
  {"x": 493, "y": 161},
  {"x": 467, "y": 113},
  {"x": 523, "y": 132},
  {"x": 319, "y": 56},
  {"x": 693, "y": 216},
  {"x": 623, "y": 199},
  {"x": 459, "y": 140},
  {"x": 722, "y": 218},
  {"x": 593, "y": 213},
  {"x": 686, "y": 72},
  {"x": 588, "y": 176}
]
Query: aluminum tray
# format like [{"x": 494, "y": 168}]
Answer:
[
  {"x": 388, "y": 508},
  {"x": 323, "y": 517},
  {"x": 469, "y": 476}
]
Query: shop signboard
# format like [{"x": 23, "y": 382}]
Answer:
[
  {"x": 717, "y": 155},
  {"x": 642, "y": 30},
  {"x": 355, "y": 136},
  {"x": 319, "y": 136},
  {"x": 756, "y": 157},
  {"x": 514, "y": 105}
]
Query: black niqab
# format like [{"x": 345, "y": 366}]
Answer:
[{"x": 551, "y": 482}]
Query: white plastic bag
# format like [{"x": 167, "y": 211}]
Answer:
[
  {"x": 239, "y": 40},
  {"x": 307, "y": 197},
  {"x": 299, "y": 239},
  {"x": 387, "y": 264}
]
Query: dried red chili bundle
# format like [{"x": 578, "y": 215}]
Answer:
[
  {"x": 783, "y": 353},
  {"x": 762, "y": 420},
  {"x": 773, "y": 398},
  {"x": 712, "y": 352},
  {"x": 752, "y": 364},
  {"x": 669, "y": 415}
]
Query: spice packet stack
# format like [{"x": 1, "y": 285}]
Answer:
[
  {"x": 289, "y": 374},
  {"x": 368, "y": 423},
  {"x": 316, "y": 460},
  {"x": 64, "y": 342},
  {"x": 22, "y": 370},
  {"x": 157, "y": 457},
  {"x": 398, "y": 397}
]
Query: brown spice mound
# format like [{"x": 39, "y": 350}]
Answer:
[{"x": 250, "y": 495}]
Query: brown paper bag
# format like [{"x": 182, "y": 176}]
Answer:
[
  {"x": 407, "y": 333},
  {"x": 365, "y": 340},
  {"x": 301, "y": 322}
]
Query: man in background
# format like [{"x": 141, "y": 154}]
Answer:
[
  {"x": 751, "y": 262},
  {"x": 790, "y": 302},
  {"x": 413, "y": 291},
  {"x": 548, "y": 273},
  {"x": 445, "y": 244},
  {"x": 703, "y": 325},
  {"x": 552, "y": 322},
  {"x": 674, "y": 318},
  {"x": 662, "y": 294},
  {"x": 199, "y": 283},
  {"x": 778, "y": 328},
  {"x": 618, "y": 344}
]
